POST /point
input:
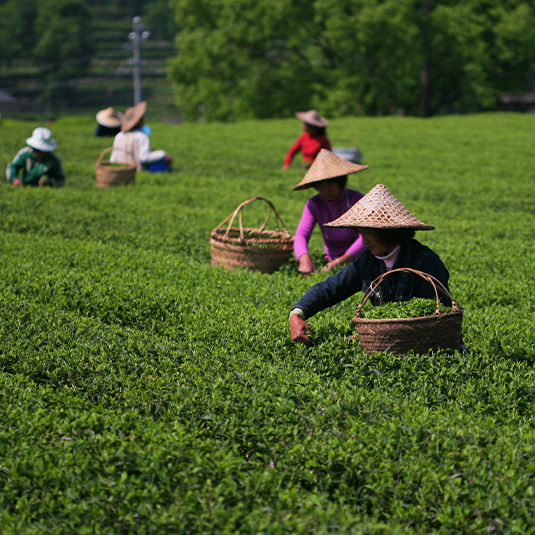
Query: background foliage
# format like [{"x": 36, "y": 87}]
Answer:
[
  {"x": 60, "y": 57},
  {"x": 249, "y": 58},
  {"x": 236, "y": 59},
  {"x": 144, "y": 391}
]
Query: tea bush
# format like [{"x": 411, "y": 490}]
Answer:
[
  {"x": 416, "y": 307},
  {"x": 145, "y": 391}
]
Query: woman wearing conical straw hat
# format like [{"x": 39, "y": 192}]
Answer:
[
  {"x": 387, "y": 229},
  {"x": 109, "y": 122},
  {"x": 328, "y": 175},
  {"x": 132, "y": 145}
]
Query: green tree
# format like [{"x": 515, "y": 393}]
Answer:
[
  {"x": 478, "y": 49},
  {"x": 17, "y": 36},
  {"x": 371, "y": 56},
  {"x": 243, "y": 58},
  {"x": 63, "y": 45},
  {"x": 265, "y": 58},
  {"x": 158, "y": 16}
]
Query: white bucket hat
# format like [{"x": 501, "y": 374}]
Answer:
[{"x": 42, "y": 140}]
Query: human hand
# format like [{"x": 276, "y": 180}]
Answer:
[
  {"x": 43, "y": 181},
  {"x": 17, "y": 182},
  {"x": 337, "y": 262},
  {"x": 300, "y": 331},
  {"x": 331, "y": 266},
  {"x": 306, "y": 266}
]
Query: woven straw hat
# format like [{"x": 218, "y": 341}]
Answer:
[
  {"x": 312, "y": 117},
  {"x": 379, "y": 209},
  {"x": 133, "y": 115},
  {"x": 110, "y": 118},
  {"x": 327, "y": 165},
  {"x": 41, "y": 140}
]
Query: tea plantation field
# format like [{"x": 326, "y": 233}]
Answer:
[{"x": 144, "y": 391}]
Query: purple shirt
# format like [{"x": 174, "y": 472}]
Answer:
[{"x": 337, "y": 241}]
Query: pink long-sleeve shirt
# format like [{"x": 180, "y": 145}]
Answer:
[{"x": 337, "y": 241}]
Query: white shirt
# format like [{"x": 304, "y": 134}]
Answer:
[
  {"x": 134, "y": 147},
  {"x": 390, "y": 258}
]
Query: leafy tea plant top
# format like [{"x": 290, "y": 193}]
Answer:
[{"x": 413, "y": 308}]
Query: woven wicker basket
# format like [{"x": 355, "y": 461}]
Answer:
[
  {"x": 399, "y": 336},
  {"x": 110, "y": 174},
  {"x": 257, "y": 249},
  {"x": 350, "y": 154}
]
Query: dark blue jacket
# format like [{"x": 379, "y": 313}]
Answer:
[{"x": 362, "y": 272}]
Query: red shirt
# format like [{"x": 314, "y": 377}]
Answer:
[{"x": 309, "y": 146}]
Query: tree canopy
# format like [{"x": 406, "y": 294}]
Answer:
[{"x": 267, "y": 58}]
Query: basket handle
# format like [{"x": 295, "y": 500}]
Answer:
[
  {"x": 437, "y": 285},
  {"x": 239, "y": 210},
  {"x": 133, "y": 152},
  {"x": 99, "y": 160}
]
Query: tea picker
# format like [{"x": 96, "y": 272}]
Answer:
[
  {"x": 36, "y": 164},
  {"x": 132, "y": 144},
  {"x": 387, "y": 229},
  {"x": 328, "y": 175}
]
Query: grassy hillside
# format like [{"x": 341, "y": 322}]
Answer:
[{"x": 144, "y": 391}]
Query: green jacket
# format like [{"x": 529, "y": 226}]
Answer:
[{"x": 32, "y": 169}]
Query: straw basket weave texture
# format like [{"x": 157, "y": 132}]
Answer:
[
  {"x": 379, "y": 209},
  {"x": 351, "y": 154},
  {"x": 399, "y": 336},
  {"x": 110, "y": 174},
  {"x": 257, "y": 249}
]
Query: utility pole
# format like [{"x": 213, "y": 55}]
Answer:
[{"x": 136, "y": 36}]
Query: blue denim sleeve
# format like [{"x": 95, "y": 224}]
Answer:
[{"x": 327, "y": 293}]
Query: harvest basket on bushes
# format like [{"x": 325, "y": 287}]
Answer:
[
  {"x": 111, "y": 174},
  {"x": 257, "y": 249},
  {"x": 401, "y": 335},
  {"x": 349, "y": 152}
]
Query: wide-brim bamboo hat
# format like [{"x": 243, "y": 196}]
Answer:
[
  {"x": 312, "y": 117},
  {"x": 379, "y": 209},
  {"x": 133, "y": 115},
  {"x": 110, "y": 117},
  {"x": 326, "y": 166}
]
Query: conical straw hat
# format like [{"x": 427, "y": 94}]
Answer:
[
  {"x": 110, "y": 117},
  {"x": 312, "y": 117},
  {"x": 327, "y": 165},
  {"x": 379, "y": 209},
  {"x": 132, "y": 116}
]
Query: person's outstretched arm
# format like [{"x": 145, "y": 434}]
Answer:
[
  {"x": 354, "y": 251},
  {"x": 322, "y": 295},
  {"x": 300, "y": 331},
  {"x": 14, "y": 167},
  {"x": 302, "y": 237},
  {"x": 333, "y": 290},
  {"x": 293, "y": 150}
]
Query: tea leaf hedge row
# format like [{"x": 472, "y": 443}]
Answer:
[{"x": 145, "y": 391}]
